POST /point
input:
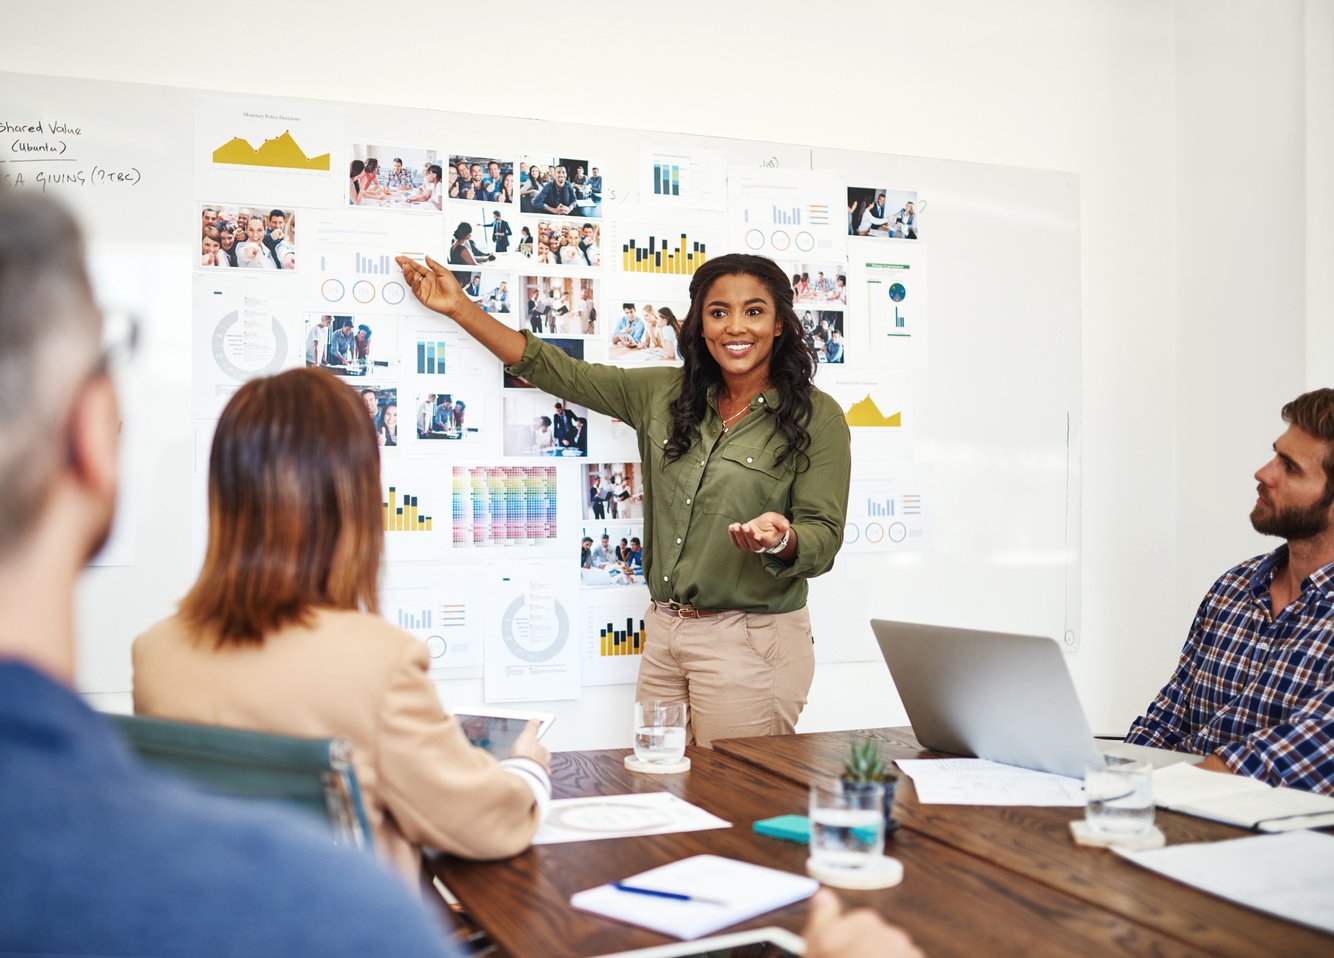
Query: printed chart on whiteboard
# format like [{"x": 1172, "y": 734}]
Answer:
[
  {"x": 671, "y": 176},
  {"x": 354, "y": 264},
  {"x": 613, "y": 635},
  {"x": 531, "y": 653},
  {"x": 889, "y": 514},
  {"x": 245, "y": 336},
  {"x": 267, "y": 150},
  {"x": 891, "y": 293},
  {"x": 785, "y": 213},
  {"x": 445, "y": 612}
]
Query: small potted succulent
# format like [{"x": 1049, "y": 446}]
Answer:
[{"x": 865, "y": 767}]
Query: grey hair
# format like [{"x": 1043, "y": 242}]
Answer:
[{"x": 49, "y": 328}]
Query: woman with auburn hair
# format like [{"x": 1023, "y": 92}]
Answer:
[
  {"x": 746, "y": 470},
  {"x": 280, "y": 632}
]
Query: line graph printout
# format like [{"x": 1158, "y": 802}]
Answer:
[
  {"x": 877, "y": 405},
  {"x": 263, "y": 150}
]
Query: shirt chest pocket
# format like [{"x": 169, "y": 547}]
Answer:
[
  {"x": 662, "y": 476},
  {"x": 743, "y": 481}
]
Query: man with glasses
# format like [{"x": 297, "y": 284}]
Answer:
[{"x": 100, "y": 855}]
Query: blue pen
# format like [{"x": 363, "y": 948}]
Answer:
[{"x": 658, "y": 893}]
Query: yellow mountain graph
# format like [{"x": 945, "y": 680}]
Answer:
[
  {"x": 281, "y": 152},
  {"x": 866, "y": 413}
]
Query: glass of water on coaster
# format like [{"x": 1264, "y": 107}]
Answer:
[
  {"x": 1119, "y": 793},
  {"x": 660, "y": 737},
  {"x": 847, "y": 824},
  {"x": 848, "y": 836}
]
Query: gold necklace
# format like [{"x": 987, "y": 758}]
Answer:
[{"x": 727, "y": 423}]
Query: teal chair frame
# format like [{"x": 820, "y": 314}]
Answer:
[{"x": 311, "y": 774}]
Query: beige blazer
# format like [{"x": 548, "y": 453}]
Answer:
[{"x": 354, "y": 676}]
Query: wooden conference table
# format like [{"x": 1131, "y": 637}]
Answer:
[
  {"x": 1035, "y": 844},
  {"x": 1001, "y": 881}
]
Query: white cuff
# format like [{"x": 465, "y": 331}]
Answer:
[{"x": 535, "y": 775}]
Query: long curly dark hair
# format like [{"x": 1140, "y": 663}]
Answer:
[{"x": 791, "y": 366}]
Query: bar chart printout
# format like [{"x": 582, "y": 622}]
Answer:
[
  {"x": 612, "y": 634},
  {"x": 430, "y": 357},
  {"x": 628, "y": 640},
  {"x": 889, "y": 514},
  {"x": 667, "y": 179},
  {"x": 654, "y": 254},
  {"x": 414, "y": 620},
  {"x": 401, "y": 513},
  {"x": 447, "y": 615},
  {"x": 503, "y": 506}
]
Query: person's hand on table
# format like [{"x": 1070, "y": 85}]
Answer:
[
  {"x": 432, "y": 284},
  {"x": 527, "y": 746},
  {"x": 1215, "y": 764},
  {"x": 833, "y": 933},
  {"x": 763, "y": 532}
]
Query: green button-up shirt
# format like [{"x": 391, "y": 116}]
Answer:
[{"x": 724, "y": 477}]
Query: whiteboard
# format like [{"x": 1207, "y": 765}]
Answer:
[{"x": 994, "y": 443}]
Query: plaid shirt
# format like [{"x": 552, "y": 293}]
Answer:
[{"x": 1254, "y": 689}]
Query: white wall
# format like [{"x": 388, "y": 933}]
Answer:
[
  {"x": 1241, "y": 286},
  {"x": 1137, "y": 97},
  {"x": 1319, "y": 192}
]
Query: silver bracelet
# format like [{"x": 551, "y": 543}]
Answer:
[{"x": 782, "y": 543}]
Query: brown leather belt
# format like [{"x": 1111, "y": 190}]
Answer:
[{"x": 682, "y": 610}]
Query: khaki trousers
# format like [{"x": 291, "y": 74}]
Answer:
[{"x": 742, "y": 673}]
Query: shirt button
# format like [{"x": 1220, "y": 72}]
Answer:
[
  {"x": 664, "y": 578},
  {"x": 761, "y": 399},
  {"x": 687, "y": 502},
  {"x": 678, "y": 541},
  {"x": 748, "y": 459}
]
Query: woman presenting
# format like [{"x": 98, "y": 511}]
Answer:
[{"x": 746, "y": 468}]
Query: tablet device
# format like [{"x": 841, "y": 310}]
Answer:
[
  {"x": 756, "y": 943},
  {"x": 495, "y": 729}
]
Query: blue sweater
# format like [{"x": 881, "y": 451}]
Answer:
[{"x": 99, "y": 856}]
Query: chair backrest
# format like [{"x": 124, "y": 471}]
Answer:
[{"x": 313, "y": 774}]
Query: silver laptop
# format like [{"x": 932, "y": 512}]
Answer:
[{"x": 1008, "y": 698}]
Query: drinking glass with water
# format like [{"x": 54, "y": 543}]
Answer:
[
  {"x": 847, "y": 824},
  {"x": 660, "y": 731},
  {"x": 1119, "y": 794}
]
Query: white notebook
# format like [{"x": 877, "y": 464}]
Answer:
[
  {"x": 1239, "y": 800},
  {"x": 739, "y": 891}
]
